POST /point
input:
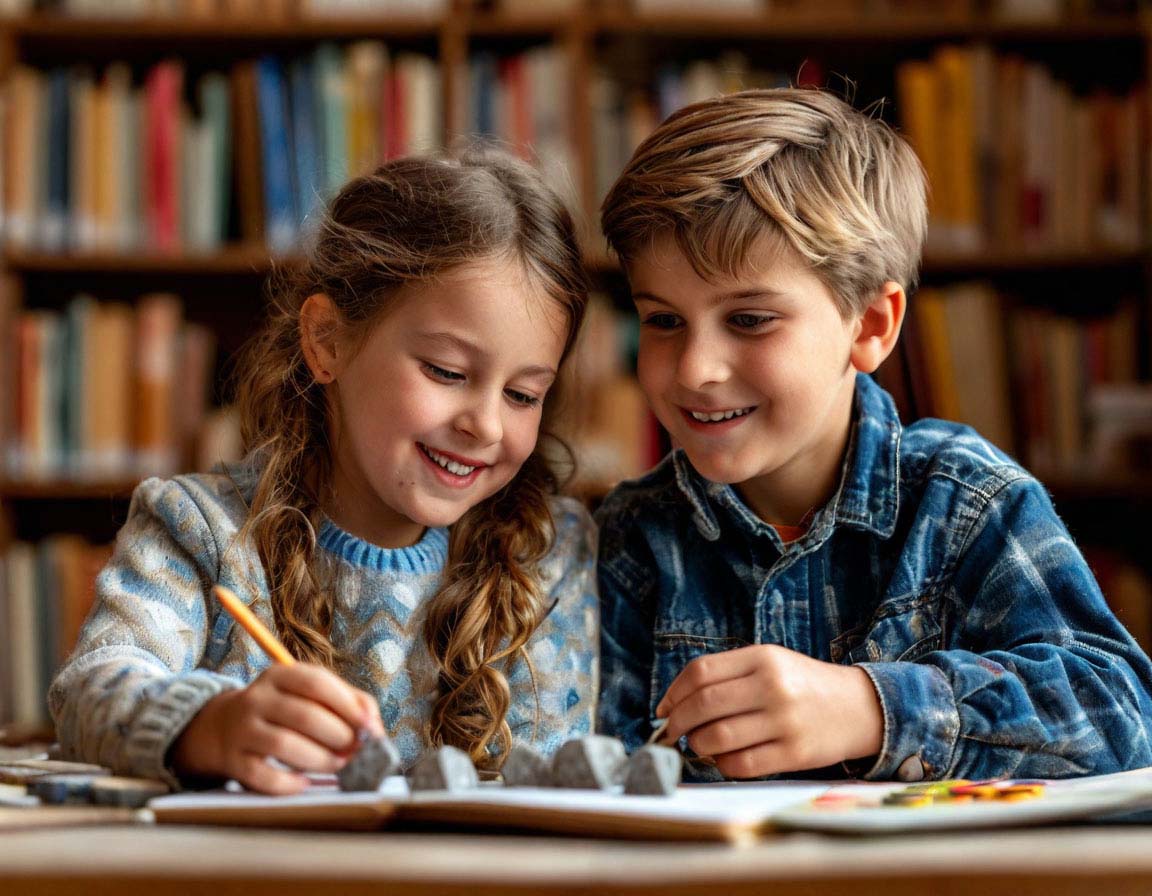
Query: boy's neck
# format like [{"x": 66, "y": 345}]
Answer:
[{"x": 792, "y": 494}]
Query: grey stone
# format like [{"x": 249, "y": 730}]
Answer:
[
  {"x": 524, "y": 767},
  {"x": 653, "y": 771},
  {"x": 376, "y": 759},
  {"x": 444, "y": 768},
  {"x": 594, "y": 762}
]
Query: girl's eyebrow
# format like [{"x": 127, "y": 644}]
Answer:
[{"x": 456, "y": 341}]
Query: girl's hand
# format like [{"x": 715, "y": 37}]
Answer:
[
  {"x": 765, "y": 709},
  {"x": 302, "y": 715}
]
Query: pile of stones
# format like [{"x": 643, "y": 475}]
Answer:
[{"x": 595, "y": 762}]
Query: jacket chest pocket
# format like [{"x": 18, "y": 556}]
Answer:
[
  {"x": 674, "y": 652},
  {"x": 897, "y": 633}
]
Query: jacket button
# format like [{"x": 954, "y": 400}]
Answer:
[{"x": 911, "y": 769}]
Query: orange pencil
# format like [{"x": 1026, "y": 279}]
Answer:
[{"x": 238, "y": 611}]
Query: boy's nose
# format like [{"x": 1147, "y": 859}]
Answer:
[
  {"x": 480, "y": 419},
  {"x": 700, "y": 364}
]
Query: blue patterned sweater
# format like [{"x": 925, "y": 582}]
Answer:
[{"x": 157, "y": 646}]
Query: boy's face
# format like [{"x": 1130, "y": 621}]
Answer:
[{"x": 751, "y": 375}]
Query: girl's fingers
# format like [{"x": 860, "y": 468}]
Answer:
[
  {"x": 321, "y": 686},
  {"x": 707, "y": 670},
  {"x": 731, "y": 734},
  {"x": 293, "y": 749},
  {"x": 371, "y": 713},
  {"x": 713, "y": 702},
  {"x": 254, "y": 772},
  {"x": 312, "y": 720}
]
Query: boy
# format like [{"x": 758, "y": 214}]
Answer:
[{"x": 804, "y": 585}]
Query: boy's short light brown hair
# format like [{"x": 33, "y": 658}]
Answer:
[{"x": 796, "y": 167}]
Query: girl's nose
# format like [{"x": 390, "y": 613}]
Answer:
[{"x": 480, "y": 419}]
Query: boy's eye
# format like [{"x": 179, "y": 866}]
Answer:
[
  {"x": 747, "y": 321},
  {"x": 661, "y": 321},
  {"x": 522, "y": 398},
  {"x": 441, "y": 373}
]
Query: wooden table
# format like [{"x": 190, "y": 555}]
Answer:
[{"x": 110, "y": 860}]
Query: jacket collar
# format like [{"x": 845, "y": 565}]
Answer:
[{"x": 868, "y": 497}]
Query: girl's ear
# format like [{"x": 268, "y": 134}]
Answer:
[
  {"x": 878, "y": 327},
  {"x": 318, "y": 329}
]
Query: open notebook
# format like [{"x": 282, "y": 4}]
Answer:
[{"x": 733, "y": 812}]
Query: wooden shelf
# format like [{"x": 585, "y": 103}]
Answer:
[
  {"x": 66, "y": 490},
  {"x": 1122, "y": 486},
  {"x": 847, "y": 27},
  {"x": 48, "y": 28},
  {"x": 256, "y": 260},
  {"x": 44, "y": 28}
]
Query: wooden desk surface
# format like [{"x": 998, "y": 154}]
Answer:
[{"x": 120, "y": 860}]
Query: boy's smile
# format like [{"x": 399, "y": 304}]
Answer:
[{"x": 751, "y": 375}]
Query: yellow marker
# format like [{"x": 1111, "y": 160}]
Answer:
[{"x": 245, "y": 617}]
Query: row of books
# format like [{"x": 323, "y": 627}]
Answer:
[
  {"x": 1016, "y": 159},
  {"x": 100, "y": 163},
  {"x": 46, "y": 591},
  {"x": 1063, "y": 393},
  {"x": 624, "y": 113},
  {"x": 245, "y": 9},
  {"x": 603, "y": 414},
  {"x": 104, "y": 390}
]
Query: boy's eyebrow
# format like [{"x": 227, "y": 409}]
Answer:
[
  {"x": 453, "y": 340},
  {"x": 759, "y": 292}
]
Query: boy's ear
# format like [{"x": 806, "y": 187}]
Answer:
[
  {"x": 878, "y": 327},
  {"x": 318, "y": 329}
]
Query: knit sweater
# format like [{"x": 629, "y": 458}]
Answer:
[{"x": 157, "y": 647}]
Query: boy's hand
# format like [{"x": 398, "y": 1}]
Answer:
[
  {"x": 764, "y": 709},
  {"x": 302, "y": 715}
]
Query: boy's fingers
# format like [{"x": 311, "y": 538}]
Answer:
[
  {"x": 755, "y": 762},
  {"x": 737, "y": 732},
  {"x": 704, "y": 671},
  {"x": 711, "y": 702}
]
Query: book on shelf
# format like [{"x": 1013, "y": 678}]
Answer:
[
  {"x": 1016, "y": 159},
  {"x": 104, "y": 390},
  {"x": 92, "y": 161},
  {"x": 1062, "y": 392},
  {"x": 46, "y": 592}
]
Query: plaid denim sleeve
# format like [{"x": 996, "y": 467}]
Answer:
[
  {"x": 626, "y": 639},
  {"x": 1038, "y": 678}
]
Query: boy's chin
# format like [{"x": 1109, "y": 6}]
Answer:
[{"x": 717, "y": 470}]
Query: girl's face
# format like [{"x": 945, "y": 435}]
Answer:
[{"x": 440, "y": 405}]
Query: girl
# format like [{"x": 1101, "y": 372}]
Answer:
[{"x": 393, "y": 519}]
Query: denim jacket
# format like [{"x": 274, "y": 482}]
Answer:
[{"x": 939, "y": 567}]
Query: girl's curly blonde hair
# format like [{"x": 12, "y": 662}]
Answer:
[{"x": 408, "y": 221}]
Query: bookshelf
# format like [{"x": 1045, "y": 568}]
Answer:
[{"x": 581, "y": 81}]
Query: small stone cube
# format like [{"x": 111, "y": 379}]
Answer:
[
  {"x": 653, "y": 771},
  {"x": 594, "y": 762},
  {"x": 376, "y": 759},
  {"x": 524, "y": 767},
  {"x": 444, "y": 768}
]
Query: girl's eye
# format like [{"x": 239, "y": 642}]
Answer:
[
  {"x": 748, "y": 321},
  {"x": 440, "y": 373},
  {"x": 661, "y": 321},
  {"x": 522, "y": 398}
]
